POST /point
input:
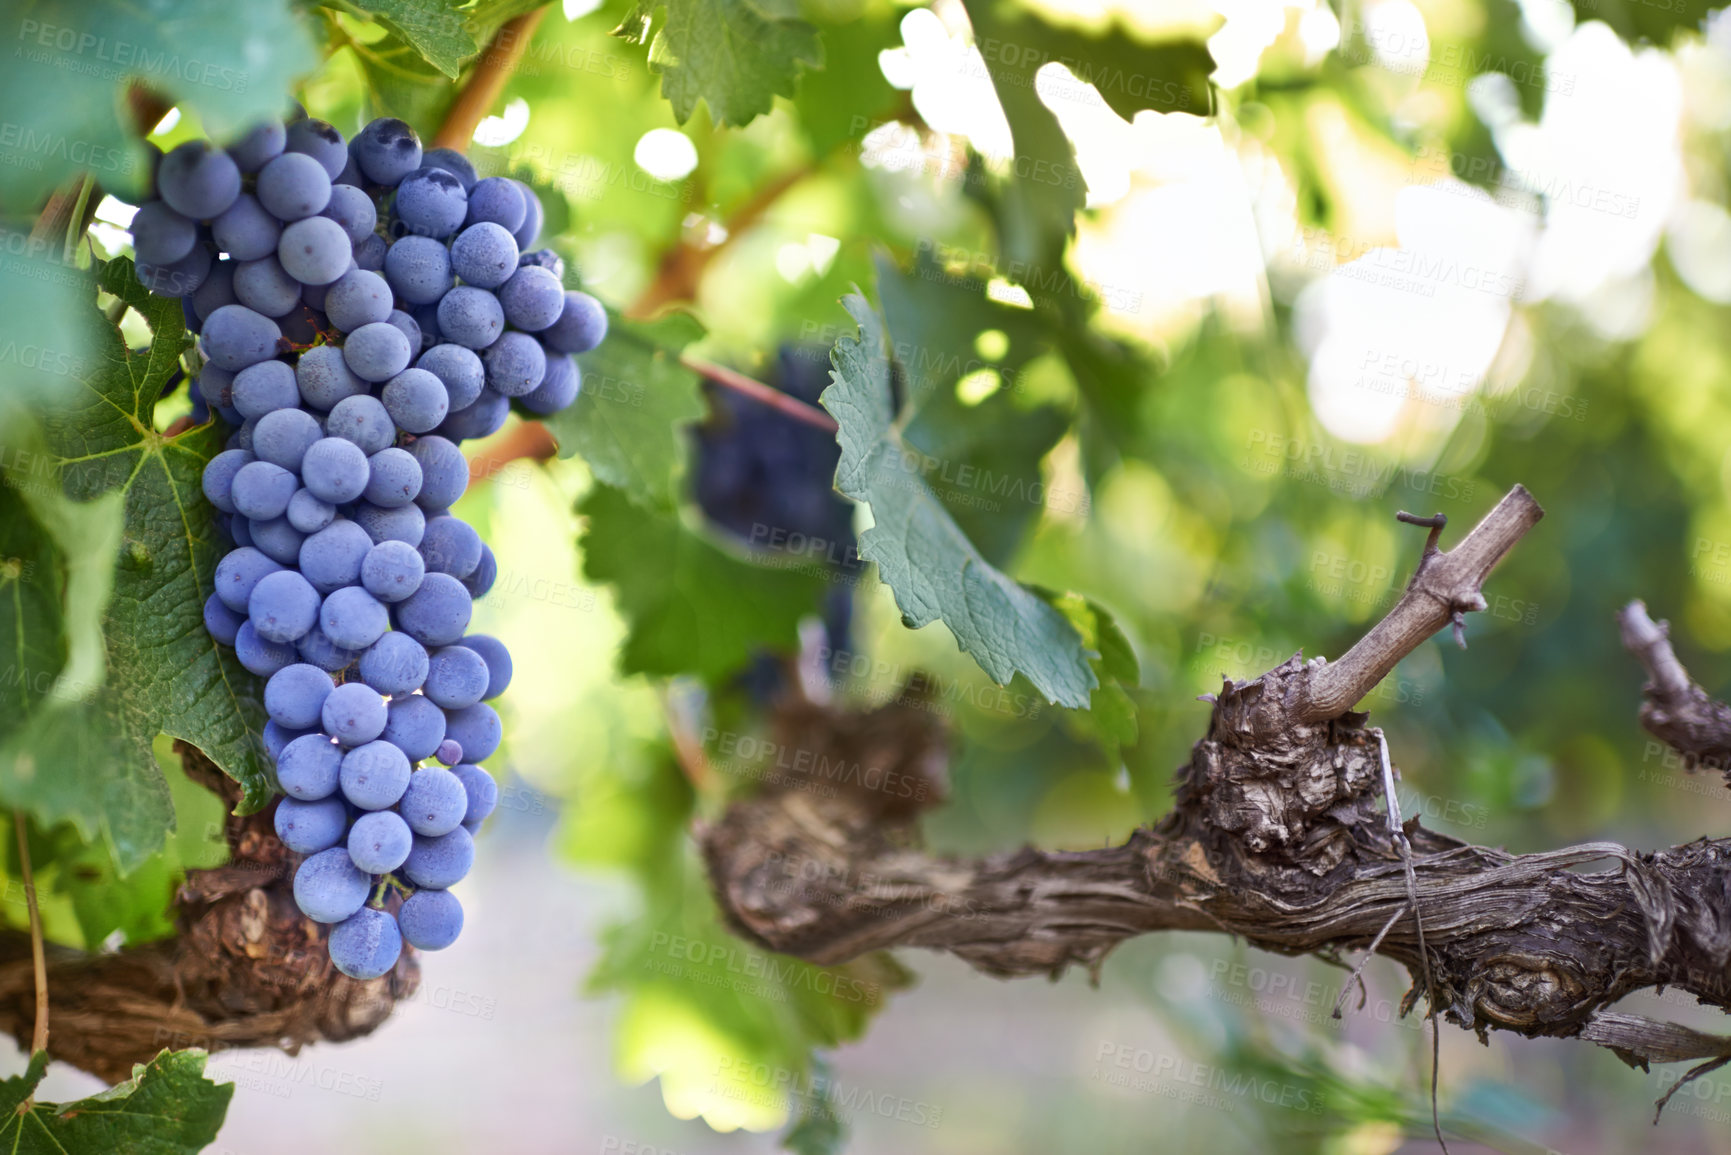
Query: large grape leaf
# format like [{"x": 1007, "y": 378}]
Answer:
[
  {"x": 231, "y": 61},
  {"x": 628, "y": 420},
  {"x": 168, "y": 1107},
  {"x": 935, "y": 571},
  {"x": 703, "y": 1010},
  {"x": 818, "y": 1128},
  {"x": 85, "y": 756},
  {"x": 1034, "y": 219},
  {"x": 1039, "y": 214},
  {"x": 981, "y": 459},
  {"x": 409, "y": 70},
  {"x": 56, "y": 573},
  {"x": 1110, "y": 719},
  {"x": 1638, "y": 20},
  {"x": 434, "y": 29},
  {"x": 85, "y": 901},
  {"x": 737, "y": 56},
  {"x": 850, "y": 95},
  {"x": 692, "y": 607},
  {"x": 46, "y": 329},
  {"x": 1131, "y": 74},
  {"x": 402, "y": 84}
]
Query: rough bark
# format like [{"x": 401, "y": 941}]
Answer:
[
  {"x": 1279, "y": 835},
  {"x": 247, "y": 969},
  {"x": 1673, "y": 708}
]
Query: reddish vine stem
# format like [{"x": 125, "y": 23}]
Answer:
[
  {"x": 38, "y": 955},
  {"x": 532, "y": 441},
  {"x": 487, "y": 81},
  {"x": 783, "y": 403},
  {"x": 681, "y": 268},
  {"x": 528, "y": 441},
  {"x": 687, "y": 750}
]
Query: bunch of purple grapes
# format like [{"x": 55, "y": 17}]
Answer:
[{"x": 363, "y": 307}]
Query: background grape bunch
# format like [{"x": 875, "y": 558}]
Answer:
[
  {"x": 363, "y": 306},
  {"x": 768, "y": 480}
]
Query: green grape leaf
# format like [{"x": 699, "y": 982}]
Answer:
[
  {"x": 935, "y": 317},
  {"x": 409, "y": 70},
  {"x": 818, "y": 1128},
  {"x": 84, "y": 898},
  {"x": 86, "y": 755},
  {"x": 627, "y": 421},
  {"x": 692, "y": 606},
  {"x": 1037, "y": 216},
  {"x": 434, "y": 29},
  {"x": 736, "y": 56},
  {"x": 1131, "y": 75},
  {"x": 1111, "y": 715},
  {"x": 1638, "y": 20},
  {"x": 703, "y": 1011},
  {"x": 936, "y": 573},
  {"x": 46, "y": 327},
  {"x": 231, "y": 61},
  {"x": 401, "y": 83},
  {"x": 168, "y": 1107},
  {"x": 1034, "y": 219},
  {"x": 849, "y": 96},
  {"x": 56, "y": 575},
  {"x": 983, "y": 463},
  {"x": 982, "y": 459}
]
